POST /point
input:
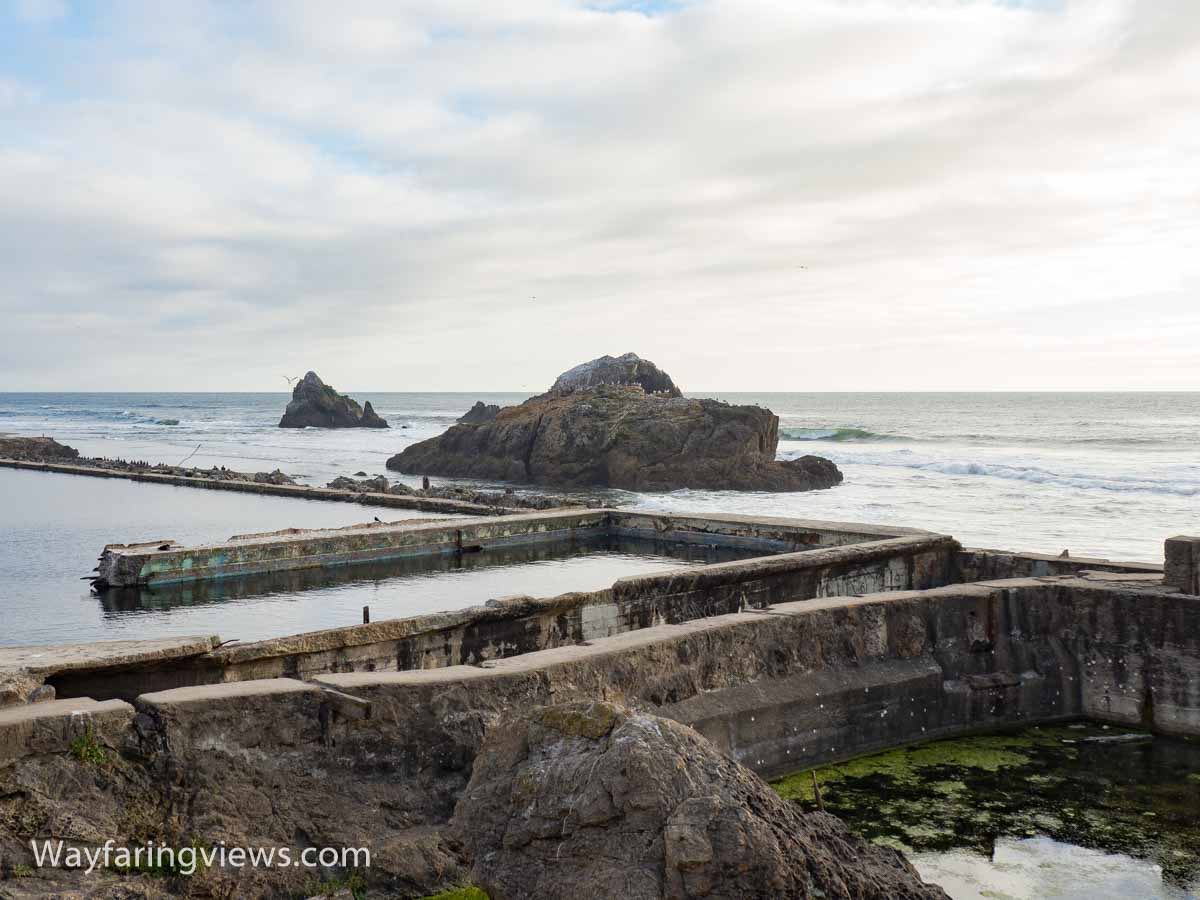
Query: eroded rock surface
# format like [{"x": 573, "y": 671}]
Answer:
[
  {"x": 37, "y": 449},
  {"x": 623, "y": 437},
  {"x": 315, "y": 404},
  {"x": 591, "y": 799},
  {"x": 507, "y": 498},
  {"x": 48, "y": 450},
  {"x": 627, "y": 369}
]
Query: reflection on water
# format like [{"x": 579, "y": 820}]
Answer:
[
  {"x": 1042, "y": 867},
  {"x": 1064, "y": 812},
  {"x": 52, "y": 528},
  {"x": 258, "y": 606}
]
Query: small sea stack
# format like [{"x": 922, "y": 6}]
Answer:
[
  {"x": 479, "y": 413},
  {"x": 315, "y": 404}
]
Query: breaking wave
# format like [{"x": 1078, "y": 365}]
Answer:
[
  {"x": 836, "y": 434},
  {"x": 1187, "y": 485}
]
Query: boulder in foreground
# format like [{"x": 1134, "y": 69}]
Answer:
[
  {"x": 627, "y": 369},
  {"x": 590, "y": 799},
  {"x": 622, "y": 437},
  {"x": 315, "y": 404}
]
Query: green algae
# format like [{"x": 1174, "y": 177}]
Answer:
[
  {"x": 906, "y": 765},
  {"x": 1073, "y": 784}
]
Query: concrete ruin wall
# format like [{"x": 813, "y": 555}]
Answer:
[
  {"x": 521, "y": 625},
  {"x": 139, "y": 564},
  {"x": 988, "y": 565},
  {"x": 797, "y": 684},
  {"x": 779, "y": 689},
  {"x": 295, "y": 491}
]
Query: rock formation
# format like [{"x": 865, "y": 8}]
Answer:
[
  {"x": 623, "y": 437},
  {"x": 37, "y": 449},
  {"x": 315, "y": 404},
  {"x": 48, "y": 450},
  {"x": 479, "y": 413},
  {"x": 628, "y": 369},
  {"x": 506, "y": 499},
  {"x": 590, "y": 799}
]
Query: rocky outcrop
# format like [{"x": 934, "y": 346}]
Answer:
[
  {"x": 370, "y": 418},
  {"x": 316, "y": 405},
  {"x": 590, "y": 799},
  {"x": 623, "y": 437},
  {"x": 48, "y": 450},
  {"x": 37, "y": 449},
  {"x": 377, "y": 485},
  {"x": 628, "y": 369},
  {"x": 507, "y": 499},
  {"x": 479, "y": 413}
]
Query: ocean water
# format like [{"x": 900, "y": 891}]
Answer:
[{"x": 1109, "y": 475}]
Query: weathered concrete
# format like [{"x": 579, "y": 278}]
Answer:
[
  {"x": 983, "y": 565},
  {"x": 778, "y": 689},
  {"x": 769, "y": 532},
  {"x": 803, "y": 683},
  {"x": 25, "y": 671},
  {"x": 124, "y": 565},
  {"x": 150, "y": 563},
  {"x": 519, "y": 625},
  {"x": 52, "y": 726},
  {"x": 1183, "y": 563}
]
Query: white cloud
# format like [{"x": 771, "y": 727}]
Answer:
[
  {"x": 982, "y": 196},
  {"x": 40, "y": 10}
]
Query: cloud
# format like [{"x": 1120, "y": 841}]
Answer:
[
  {"x": 818, "y": 195},
  {"x": 39, "y": 10}
]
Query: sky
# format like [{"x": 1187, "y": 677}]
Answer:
[{"x": 792, "y": 195}]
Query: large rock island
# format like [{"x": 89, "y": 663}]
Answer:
[
  {"x": 619, "y": 435},
  {"x": 316, "y": 405}
]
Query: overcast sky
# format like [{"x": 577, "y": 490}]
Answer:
[{"x": 475, "y": 195}]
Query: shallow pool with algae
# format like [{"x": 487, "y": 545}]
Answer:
[{"x": 1101, "y": 788}]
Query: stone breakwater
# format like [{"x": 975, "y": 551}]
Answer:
[
  {"x": 778, "y": 665},
  {"x": 48, "y": 455}
]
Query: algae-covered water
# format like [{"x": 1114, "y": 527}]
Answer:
[{"x": 1079, "y": 812}]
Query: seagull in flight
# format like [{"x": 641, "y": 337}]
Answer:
[{"x": 289, "y": 380}]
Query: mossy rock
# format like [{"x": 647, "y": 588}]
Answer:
[{"x": 588, "y": 720}]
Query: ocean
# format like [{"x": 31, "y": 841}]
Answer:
[
  {"x": 1099, "y": 474},
  {"x": 1109, "y": 475}
]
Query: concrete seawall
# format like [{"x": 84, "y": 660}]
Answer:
[
  {"x": 806, "y": 682},
  {"x": 295, "y": 491},
  {"x": 843, "y": 559},
  {"x": 127, "y": 565},
  {"x": 779, "y": 689}
]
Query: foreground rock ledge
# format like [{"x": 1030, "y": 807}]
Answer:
[
  {"x": 620, "y": 436},
  {"x": 592, "y": 800}
]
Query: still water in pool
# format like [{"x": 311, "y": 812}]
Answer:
[
  {"x": 262, "y": 606},
  {"x": 1076, "y": 812}
]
